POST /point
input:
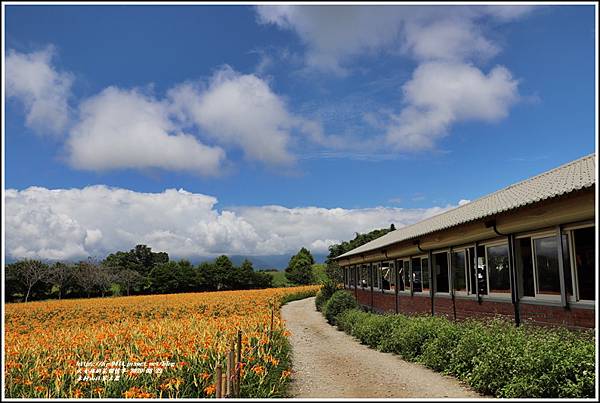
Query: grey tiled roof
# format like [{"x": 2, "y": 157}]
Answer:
[{"x": 567, "y": 178}]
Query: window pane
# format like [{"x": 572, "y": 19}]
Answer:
[
  {"x": 525, "y": 266},
  {"x": 406, "y": 270},
  {"x": 481, "y": 271},
  {"x": 546, "y": 263},
  {"x": 440, "y": 267},
  {"x": 567, "y": 265},
  {"x": 370, "y": 275},
  {"x": 459, "y": 268},
  {"x": 386, "y": 275},
  {"x": 400, "y": 271},
  {"x": 416, "y": 272},
  {"x": 585, "y": 262},
  {"x": 425, "y": 273},
  {"x": 497, "y": 259},
  {"x": 364, "y": 275}
]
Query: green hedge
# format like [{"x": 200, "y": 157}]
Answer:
[
  {"x": 494, "y": 357},
  {"x": 339, "y": 302}
]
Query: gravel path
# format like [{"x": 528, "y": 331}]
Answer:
[{"x": 329, "y": 363}]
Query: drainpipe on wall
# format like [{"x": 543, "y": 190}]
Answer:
[
  {"x": 397, "y": 282},
  {"x": 452, "y": 282},
  {"x": 476, "y": 268},
  {"x": 431, "y": 283},
  {"x": 512, "y": 268},
  {"x": 372, "y": 292}
]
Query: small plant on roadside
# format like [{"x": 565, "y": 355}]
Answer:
[
  {"x": 328, "y": 288},
  {"x": 339, "y": 302}
]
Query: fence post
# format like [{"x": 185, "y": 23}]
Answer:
[
  {"x": 238, "y": 370},
  {"x": 219, "y": 382},
  {"x": 229, "y": 366}
]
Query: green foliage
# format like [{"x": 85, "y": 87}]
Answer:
[
  {"x": 494, "y": 357},
  {"x": 318, "y": 273},
  {"x": 359, "y": 239},
  {"x": 299, "y": 270},
  {"x": 338, "y": 303},
  {"x": 278, "y": 278},
  {"x": 326, "y": 291}
]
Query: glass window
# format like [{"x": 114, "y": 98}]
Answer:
[
  {"x": 387, "y": 269},
  {"x": 416, "y": 275},
  {"x": 425, "y": 273},
  {"x": 459, "y": 267},
  {"x": 364, "y": 276},
  {"x": 497, "y": 260},
  {"x": 481, "y": 271},
  {"x": 406, "y": 270},
  {"x": 401, "y": 274},
  {"x": 440, "y": 269},
  {"x": 546, "y": 264},
  {"x": 567, "y": 265},
  {"x": 584, "y": 241},
  {"x": 376, "y": 275},
  {"x": 525, "y": 266}
]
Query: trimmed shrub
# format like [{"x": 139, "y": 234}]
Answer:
[
  {"x": 372, "y": 329},
  {"x": 339, "y": 302},
  {"x": 327, "y": 290},
  {"x": 348, "y": 319}
]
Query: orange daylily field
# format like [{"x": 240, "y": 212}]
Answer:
[{"x": 146, "y": 346}]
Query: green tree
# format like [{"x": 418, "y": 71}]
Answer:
[
  {"x": 61, "y": 275},
  {"x": 299, "y": 270},
  {"x": 27, "y": 275}
]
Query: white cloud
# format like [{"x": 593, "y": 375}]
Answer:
[
  {"x": 442, "y": 93},
  {"x": 334, "y": 34},
  {"x": 95, "y": 220},
  {"x": 41, "y": 88},
  {"x": 240, "y": 110},
  {"x": 127, "y": 129}
]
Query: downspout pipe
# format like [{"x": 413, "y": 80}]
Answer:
[
  {"x": 512, "y": 262},
  {"x": 430, "y": 269}
]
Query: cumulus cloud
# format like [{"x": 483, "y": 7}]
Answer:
[
  {"x": 332, "y": 35},
  {"x": 127, "y": 129},
  {"x": 442, "y": 93},
  {"x": 240, "y": 110},
  {"x": 447, "y": 42},
  {"x": 92, "y": 221},
  {"x": 41, "y": 88}
]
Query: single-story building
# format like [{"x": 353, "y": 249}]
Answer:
[{"x": 526, "y": 252}]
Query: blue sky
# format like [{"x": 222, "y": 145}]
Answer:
[{"x": 388, "y": 113}]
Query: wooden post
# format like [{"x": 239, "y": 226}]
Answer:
[
  {"x": 228, "y": 390},
  {"x": 219, "y": 382},
  {"x": 238, "y": 370}
]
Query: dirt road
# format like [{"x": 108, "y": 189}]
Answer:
[{"x": 329, "y": 363}]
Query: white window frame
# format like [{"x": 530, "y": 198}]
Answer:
[
  {"x": 420, "y": 257},
  {"x": 504, "y": 295},
  {"x": 376, "y": 279},
  {"x": 541, "y": 296},
  {"x": 466, "y": 270},
  {"x": 406, "y": 289},
  {"x": 391, "y": 264}
]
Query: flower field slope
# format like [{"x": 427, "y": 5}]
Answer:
[{"x": 147, "y": 346}]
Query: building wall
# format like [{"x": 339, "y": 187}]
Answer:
[{"x": 466, "y": 307}]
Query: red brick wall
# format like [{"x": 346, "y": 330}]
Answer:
[
  {"x": 556, "y": 315},
  {"x": 470, "y": 308},
  {"x": 415, "y": 305},
  {"x": 384, "y": 302}
]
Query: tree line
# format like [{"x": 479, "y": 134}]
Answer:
[
  {"x": 139, "y": 271},
  {"x": 142, "y": 271}
]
